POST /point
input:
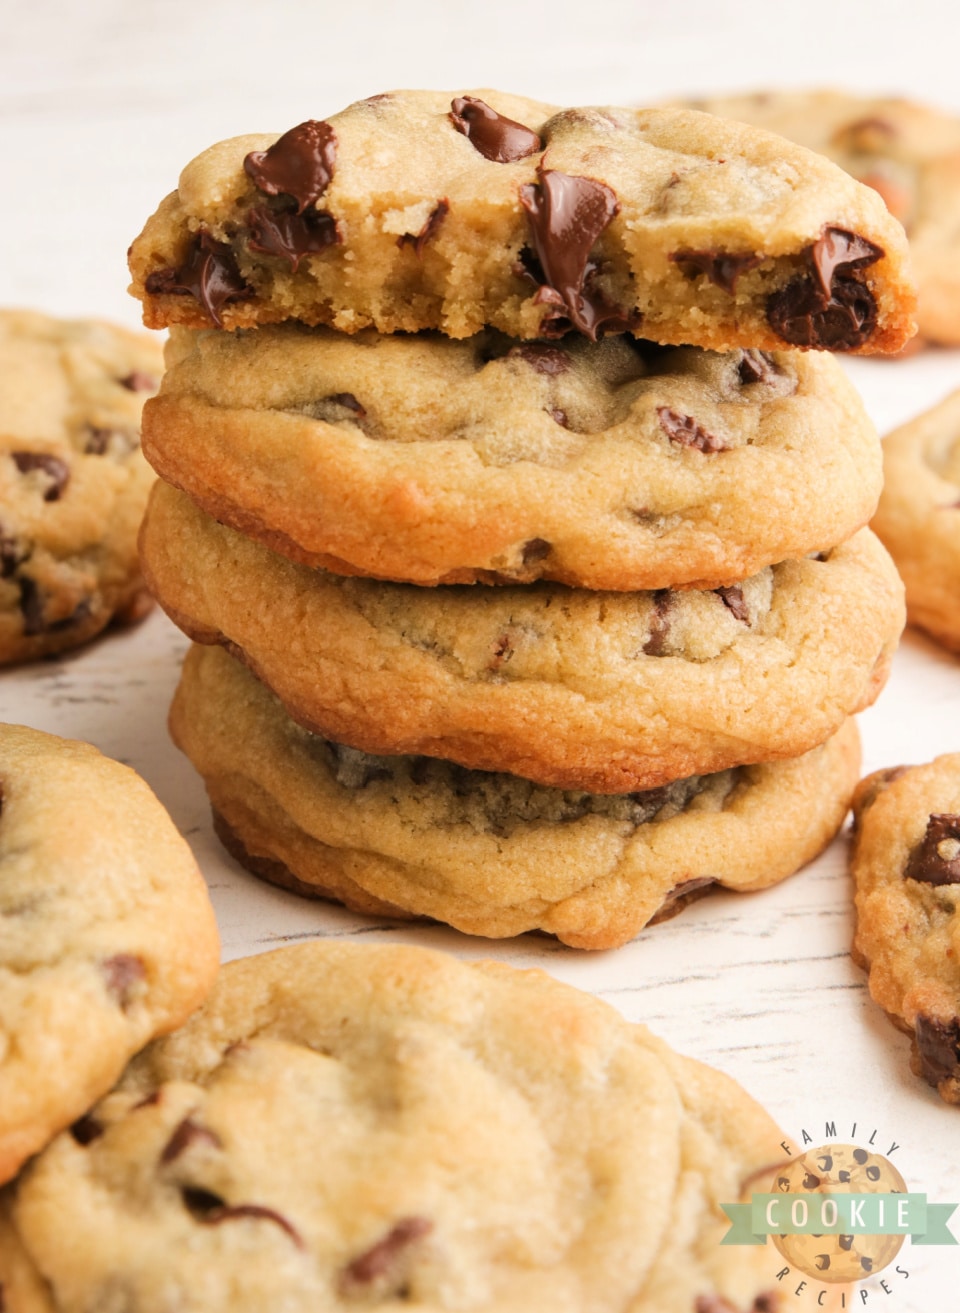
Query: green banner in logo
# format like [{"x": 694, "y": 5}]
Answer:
[{"x": 839, "y": 1214}]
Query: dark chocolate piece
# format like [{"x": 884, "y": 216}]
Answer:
[
  {"x": 138, "y": 381},
  {"x": 537, "y": 549},
  {"x": 32, "y": 607},
  {"x": 187, "y": 1133},
  {"x": 299, "y": 164},
  {"x": 686, "y": 432},
  {"x": 122, "y": 972},
  {"x": 936, "y": 859},
  {"x": 12, "y": 554},
  {"x": 544, "y": 359},
  {"x": 659, "y": 623},
  {"x": 558, "y": 416},
  {"x": 55, "y": 469},
  {"x": 566, "y": 215},
  {"x": 210, "y": 274},
  {"x": 382, "y": 1259},
  {"x": 720, "y": 267},
  {"x": 86, "y": 1129},
  {"x": 756, "y": 367},
  {"x": 829, "y": 307},
  {"x": 99, "y": 441},
  {"x": 733, "y": 599},
  {"x": 937, "y": 1049},
  {"x": 497, "y": 138},
  {"x": 290, "y": 234},
  {"x": 419, "y": 240},
  {"x": 211, "y": 1210}
]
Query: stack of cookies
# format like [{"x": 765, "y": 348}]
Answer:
[{"x": 523, "y": 547}]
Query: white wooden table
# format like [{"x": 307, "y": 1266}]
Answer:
[{"x": 101, "y": 105}]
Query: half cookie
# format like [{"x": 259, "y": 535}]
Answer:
[
  {"x": 609, "y": 465},
  {"x": 347, "y": 1125},
  {"x": 418, "y": 209},
  {"x": 491, "y": 854},
  {"x": 606, "y": 692},
  {"x": 107, "y": 936}
]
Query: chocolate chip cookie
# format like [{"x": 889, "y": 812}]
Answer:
[
  {"x": 107, "y": 936},
  {"x": 73, "y": 483},
  {"x": 348, "y": 1125},
  {"x": 421, "y": 209},
  {"x": 604, "y": 692},
  {"x": 908, "y": 153},
  {"x": 614, "y": 464},
  {"x": 906, "y": 868},
  {"x": 918, "y": 518},
  {"x": 491, "y": 854}
]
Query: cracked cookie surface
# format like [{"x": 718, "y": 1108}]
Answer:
[
  {"x": 490, "y": 854},
  {"x": 73, "y": 482},
  {"x": 107, "y": 936},
  {"x": 601, "y": 465},
  {"x": 906, "y": 870},
  {"x": 606, "y": 692},
  {"x": 392, "y": 215},
  {"x": 346, "y": 1124}
]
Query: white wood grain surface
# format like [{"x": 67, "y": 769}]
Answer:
[{"x": 102, "y": 104}]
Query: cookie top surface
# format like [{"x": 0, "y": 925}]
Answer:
[
  {"x": 918, "y": 518},
  {"x": 393, "y": 214},
  {"x": 600, "y": 691},
  {"x": 106, "y": 931},
  {"x": 906, "y": 869},
  {"x": 490, "y": 853},
  {"x": 615, "y": 464},
  {"x": 907, "y": 152},
  {"x": 73, "y": 483},
  {"x": 346, "y": 1124}
]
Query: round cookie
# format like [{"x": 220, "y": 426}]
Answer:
[
  {"x": 418, "y": 209},
  {"x": 346, "y": 1124},
  {"x": 906, "y": 870},
  {"x": 491, "y": 854},
  {"x": 918, "y": 518},
  {"x": 606, "y": 692},
  {"x": 107, "y": 936},
  {"x": 908, "y": 153},
  {"x": 73, "y": 483},
  {"x": 609, "y": 465}
]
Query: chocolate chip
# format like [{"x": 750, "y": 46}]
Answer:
[
  {"x": 291, "y": 235},
  {"x": 566, "y": 215},
  {"x": 686, "y": 432},
  {"x": 502, "y": 652},
  {"x": 537, "y": 549},
  {"x": 830, "y": 306},
  {"x": 12, "y": 553},
  {"x": 810, "y": 1182},
  {"x": 55, "y": 469},
  {"x": 210, "y": 274},
  {"x": 873, "y": 1173},
  {"x": 138, "y": 381},
  {"x": 299, "y": 164},
  {"x": 551, "y": 360},
  {"x": 419, "y": 240},
  {"x": 659, "y": 623},
  {"x": 86, "y": 1129},
  {"x": 558, "y": 416},
  {"x": 860, "y": 1156},
  {"x": 188, "y": 1132},
  {"x": 100, "y": 441},
  {"x": 720, "y": 267},
  {"x": 122, "y": 973},
  {"x": 381, "y": 1261},
  {"x": 936, "y": 859},
  {"x": 937, "y": 1049},
  {"x": 496, "y": 137},
  {"x": 733, "y": 599},
  {"x": 33, "y": 609},
  {"x": 211, "y": 1210}
]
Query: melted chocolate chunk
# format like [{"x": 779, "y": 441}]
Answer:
[
  {"x": 659, "y": 623},
  {"x": 211, "y": 1210},
  {"x": 381, "y": 1261},
  {"x": 756, "y": 367},
  {"x": 419, "y": 240},
  {"x": 721, "y": 268},
  {"x": 937, "y": 1049},
  {"x": 733, "y": 599},
  {"x": 936, "y": 859},
  {"x": 99, "y": 441},
  {"x": 497, "y": 138},
  {"x": 537, "y": 549},
  {"x": 86, "y": 1129},
  {"x": 187, "y": 1133},
  {"x": 299, "y": 164},
  {"x": 56, "y": 471},
  {"x": 558, "y": 416},
  {"x": 686, "y": 432},
  {"x": 829, "y": 307},
  {"x": 12, "y": 554},
  {"x": 566, "y": 215},
  {"x": 551, "y": 360},
  {"x": 33, "y": 605},
  {"x": 290, "y": 234},
  {"x": 138, "y": 381},
  {"x": 209, "y": 274},
  {"x": 122, "y": 973}
]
